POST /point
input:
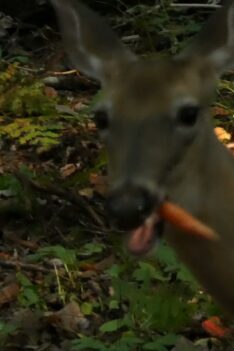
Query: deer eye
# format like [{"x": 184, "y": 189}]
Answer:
[
  {"x": 101, "y": 119},
  {"x": 187, "y": 115}
]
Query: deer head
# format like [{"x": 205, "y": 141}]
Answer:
[{"x": 154, "y": 112}]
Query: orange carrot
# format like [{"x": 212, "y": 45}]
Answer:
[{"x": 184, "y": 221}]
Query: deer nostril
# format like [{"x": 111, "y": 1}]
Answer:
[
  {"x": 129, "y": 206},
  {"x": 140, "y": 208}
]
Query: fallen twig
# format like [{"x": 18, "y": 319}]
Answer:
[
  {"x": 130, "y": 38},
  {"x": 32, "y": 245},
  {"x": 74, "y": 199},
  {"x": 65, "y": 73},
  {"x": 25, "y": 266},
  {"x": 204, "y": 6}
]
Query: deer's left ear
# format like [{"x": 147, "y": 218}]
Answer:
[
  {"x": 215, "y": 42},
  {"x": 223, "y": 57}
]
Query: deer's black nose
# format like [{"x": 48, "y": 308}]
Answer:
[{"x": 130, "y": 206}]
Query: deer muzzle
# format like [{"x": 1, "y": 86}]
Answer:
[{"x": 133, "y": 208}]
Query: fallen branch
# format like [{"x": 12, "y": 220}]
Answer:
[
  {"x": 74, "y": 199},
  {"x": 65, "y": 73},
  {"x": 25, "y": 266},
  {"x": 204, "y": 6}
]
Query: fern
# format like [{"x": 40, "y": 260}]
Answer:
[
  {"x": 29, "y": 131},
  {"x": 28, "y": 100}
]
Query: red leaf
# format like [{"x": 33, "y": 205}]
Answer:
[{"x": 214, "y": 327}]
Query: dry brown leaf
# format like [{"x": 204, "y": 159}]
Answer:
[
  {"x": 9, "y": 293},
  {"x": 99, "y": 266},
  {"x": 68, "y": 318},
  {"x": 78, "y": 106},
  {"x": 4, "y": 256},
  {"x": 85, "y": 266},
  {"x": 33, "y": 245},
  {"x": 30, "y": 321},
  {"x": 99, "y": 183},
  {"x": 91, "y": 126},
  {"x": 105, "y": 263},
  {"x": 222, "y": 134},
  {"x": 64, "y": 109},
  {"x": 86, "y": 192},
  {"x": 68, "y": 170},
  {"x": 50, "y": 92},
  {"x": 220, "y": 111},
  {"x": 88, "y": 274}
]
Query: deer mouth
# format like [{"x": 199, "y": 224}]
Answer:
[{"x": 142, "y": 239}]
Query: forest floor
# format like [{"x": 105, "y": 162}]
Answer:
[{"x": 67, "y": 280}]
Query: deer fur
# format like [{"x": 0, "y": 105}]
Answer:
[{"x": 150, "y": 146}]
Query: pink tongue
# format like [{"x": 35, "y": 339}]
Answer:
[{"x": 141, "y": 239}]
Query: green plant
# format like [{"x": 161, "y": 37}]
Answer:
[
  {"x": 29, "y": 296},
  {"x": 126, "y": 342},
  {"x": 30, "y": 131},
  {"x": 6, "y": 329},
  {"x": 152, "y": 301},
  {"x": 67, "y": 256},
  {"x": 27, "y": 100},
  {"x": 91, "y": 248},
  {"x": 166, "y": 256}
]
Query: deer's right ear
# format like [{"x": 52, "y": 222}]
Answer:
[{"x": 91, "y": 45}]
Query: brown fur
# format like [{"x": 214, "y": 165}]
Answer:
[{"x": 146, "y": 143}]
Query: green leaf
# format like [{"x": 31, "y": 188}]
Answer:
[
  {"x": 88, "y": 343},
  {"x": 10, "y": 182},
  {"x": 114, "y": 271},
  {"x": 126, "y": 343},
  {"x": 6, "y": 329},
  {"x": 167, "y": 257},
  {"x": 68, "y": 256},
  {"x": 24, "y": 281},
  {"x": 162, "y": 343},
  {"x": 112, "y": 326},
  {"x": 154, "y": 346},
  {"x": 28, "y": 296},
  {"x": 113, "y": 305},
  {"x": 147, "y": 272},
  {"x": 21, "y": 59},
  {"x": 92, "y": 248},
  {"x": 86, "y": 308}
]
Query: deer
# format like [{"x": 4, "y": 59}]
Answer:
[{"x": 154, "y": 118}]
